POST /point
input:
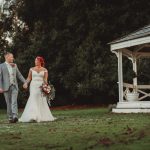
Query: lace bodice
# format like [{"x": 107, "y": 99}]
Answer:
[{"x": 38, "y": 76}]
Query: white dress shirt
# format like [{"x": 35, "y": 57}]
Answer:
[{"x": 11, "y": 73}]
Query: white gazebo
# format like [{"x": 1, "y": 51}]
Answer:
[{"x": 131, "y": 96}]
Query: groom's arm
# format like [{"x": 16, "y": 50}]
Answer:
[
  {"x": 1, "y": 89},
  {"x": 19, "y": 75}
]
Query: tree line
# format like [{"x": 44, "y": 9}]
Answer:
[{"x": 73, "y": 37}]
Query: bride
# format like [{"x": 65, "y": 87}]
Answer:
[{"x": 36, "y": 109}]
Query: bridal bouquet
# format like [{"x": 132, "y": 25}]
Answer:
[{"x": 48, "y": 91}]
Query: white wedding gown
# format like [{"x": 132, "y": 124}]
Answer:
[{"x": 36, "y": 108}]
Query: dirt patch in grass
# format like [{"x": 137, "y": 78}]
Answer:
[
  {"x": 127, "y": 136},
  {"x": 12, "y": 136},
  {"x": 106, "y": 141},
  {"x": 70, "y": 107}
]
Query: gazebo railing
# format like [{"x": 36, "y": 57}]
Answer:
[{"x": 139, "y": 89}]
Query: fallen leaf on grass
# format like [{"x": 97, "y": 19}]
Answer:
[
  {"x": 48, "y": 146},
  {"x": 128, "y": 130},
  {"x": 16, "y": 137},
  {"x": 141, "y": 135},
  {"x": 52, "y": 130},
  {"x": 106, "y": 141}
]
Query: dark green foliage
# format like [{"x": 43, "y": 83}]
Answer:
[{"x": 72, "y": 36}]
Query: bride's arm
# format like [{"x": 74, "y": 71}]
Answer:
[
  {"x": 29, "y": 78},
  {"x": 46, "y": 76}
]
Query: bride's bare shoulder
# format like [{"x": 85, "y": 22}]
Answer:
[
  {"x": 32, "y": 68},
  {"x": 45, "y": 70}
]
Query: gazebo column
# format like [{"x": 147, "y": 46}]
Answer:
[
  {"x": 120, "y": 76},
  {"x": 134, "y": 62}
]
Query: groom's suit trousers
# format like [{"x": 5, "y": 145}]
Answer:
[{"x": 11, "y": 102}]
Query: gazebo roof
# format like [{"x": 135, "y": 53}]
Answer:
[
  {"x": 138, "y": 37},
  {"x": 145, "y": 31}
]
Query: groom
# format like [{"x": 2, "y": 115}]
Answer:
[{"x": 9, "y": 73}]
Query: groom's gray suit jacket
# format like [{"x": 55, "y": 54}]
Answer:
[{"x": 5, "y": 79}]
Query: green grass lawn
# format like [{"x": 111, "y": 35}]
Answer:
[{"x": 82, "y": 129}]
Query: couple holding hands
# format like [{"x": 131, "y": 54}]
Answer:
[{"x": 36, "y": 109}]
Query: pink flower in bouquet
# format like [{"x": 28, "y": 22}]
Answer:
[{"x": 45, "y": 88}]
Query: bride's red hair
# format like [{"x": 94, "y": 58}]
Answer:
[{"x": 41, "y": 60}]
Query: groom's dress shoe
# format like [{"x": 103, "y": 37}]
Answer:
[
  {"x": 15, "y": 120},
  {"x": 11, "y": 121}
]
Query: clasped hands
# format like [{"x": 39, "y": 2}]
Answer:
[{"x": 25, "y": 85}]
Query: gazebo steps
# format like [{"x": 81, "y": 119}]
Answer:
[
  {"x": 131, "y": 110},
  {"x": 132, "y": 107}
]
